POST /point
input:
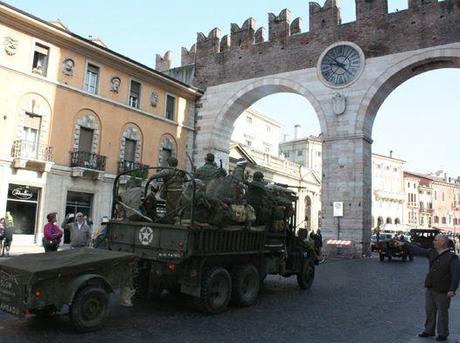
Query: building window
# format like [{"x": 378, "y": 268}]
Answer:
[
  {"x": 415, "y": 185},
  {"x": 443, "y": 220},
  {"x": 167, "y": 149},
  {"x": 266, "y": 150},
  {"x": 134, "y": 94},
  {"x": 40, "y": 61},
  {"x": 249, "y": 120},
  {"x": 268, "y": 129},
  {"x": 319, "y": 153},
  {"x": 436, "y": 219},
  {"x": 299, "y": 152},
  {"x": 395, "y": 170},
  {"x": 170, "y": 107},
  {"x": 286, "y": 154},
  {"x": 248, "y": 142},
  {"x": 455, "y": 221},
  {"x": 442, "y": 196},
  {"x": 130, "y": 150},
  {"x": 92, "y": 78},
  {"x": 434, "y": 195},
  {"x": 85, "y": 142}
]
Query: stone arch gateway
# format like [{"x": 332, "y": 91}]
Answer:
[{"x": 238, "y": 69}]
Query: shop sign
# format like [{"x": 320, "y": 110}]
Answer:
[{"x": 22, "y": 193}]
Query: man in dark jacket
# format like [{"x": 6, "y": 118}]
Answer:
[{"x": 441, "y": 283}]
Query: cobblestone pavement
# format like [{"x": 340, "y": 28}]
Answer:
[{"x": 350, "y": 301}]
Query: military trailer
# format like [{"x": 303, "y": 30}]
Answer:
[
  {"x": 215, "y": 264},
  {"x": 78, "y": 282},
  {"x": 390, "y": 250}
]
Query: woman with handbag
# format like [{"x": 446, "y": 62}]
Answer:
[{"x": 52, "y": 234}]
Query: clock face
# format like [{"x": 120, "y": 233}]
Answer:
[{"x": 341, "y": 65}]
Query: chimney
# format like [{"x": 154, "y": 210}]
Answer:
[
  {"x": 391, "y": 153},
  {"x": 287, "y": 137},
  {"x": 296, "y": 131}
]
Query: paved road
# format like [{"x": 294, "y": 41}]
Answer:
[{"x": 350, "y": 301}]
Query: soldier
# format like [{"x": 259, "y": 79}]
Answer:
[
  {"x": 209, "y": 170},
  {"x": 258, "y": 197},
  {"x": 171, "y": 190},
  {"x": 239, "y": 172}
]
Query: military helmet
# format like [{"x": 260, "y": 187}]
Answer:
[
  {"x": 172, "y": 161},
  {"x": 210, "y": 157},
  {"x": 258, "y": 176}
]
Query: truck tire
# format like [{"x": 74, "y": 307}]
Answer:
[
  {"x": 382, "y": 257},
  {"x": 216, "y": 290},
  {"x": 89, "y": 308},
  {"x": 306, "y": 275},
  {"x": 245, "y": 285}
]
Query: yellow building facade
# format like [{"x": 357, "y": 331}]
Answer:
[{"x": 73, "y": 113}]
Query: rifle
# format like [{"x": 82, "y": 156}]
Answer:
[{"x": 288, "y": 186}]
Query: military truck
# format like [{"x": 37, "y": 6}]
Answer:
[{"x": 213, "y": 263}]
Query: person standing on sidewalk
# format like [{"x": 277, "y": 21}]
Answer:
[
  {"x": 80, "y": 232},
  {"x": 52, "y": 234},
  {"x": 441, "y": 283}
]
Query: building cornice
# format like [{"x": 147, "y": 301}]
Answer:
[
  {"x": 97, "y": 97},
  {"x": 42, "y": 29}
]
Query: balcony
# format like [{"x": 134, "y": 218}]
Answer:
[
  {"x": 32, "y": 155},
  {"x": 85, "y": 163},
  {"x": 124, "y": 166}
]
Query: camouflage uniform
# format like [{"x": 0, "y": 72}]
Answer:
[
  {"x": 209, "y": 170},
  {"x": 171, "y": 190},
  {"x": 258, "y": 198}
]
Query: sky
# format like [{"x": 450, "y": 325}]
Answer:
[{"x": 419, "y": 120}]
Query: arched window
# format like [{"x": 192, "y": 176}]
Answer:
[
  {"x": 397, "y": 221},
  {"x": 379, "y": 221},
  {"x": 436, "y": 219},
  {"x": 167, "y": 149},
  {"x": 33, "y": 127},
  {"x": 131, "y": 145},
  {"x": 86, "y": 133},
  {"x": 389, "y": 221}
]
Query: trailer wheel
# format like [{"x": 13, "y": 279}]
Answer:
[
  {"x": 89, "y": 308},
  {"x": 381, "y": 257},
  {"x": 216, "y": 290},
  {"x": 307, "y": 274},
  {"x": 245, "y": 285}
]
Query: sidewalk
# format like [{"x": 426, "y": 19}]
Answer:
[{"x": 31, "y": 249}]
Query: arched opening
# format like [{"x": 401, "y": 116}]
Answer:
[
  {"x": 276, "y": 128},
  {"x": 404, "y": 106},
  {"x": 389, "y": 221}
]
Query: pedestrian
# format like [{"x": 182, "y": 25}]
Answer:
[
  {"x": 441, "y": 283},
  {"x": 318, "y": 241},
  {"x": 99, "y": 237},
  {"x": 52, "y": 234},
  {"x": 8, "y": 234},
  {"x": 2, "y": 233},
  {"x": 80, "y": 232}
]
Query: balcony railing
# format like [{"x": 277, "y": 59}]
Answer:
[
  {"x": 87, "y": 160},
  {"x": 31, "y": 150},
  {"x": 130, "y": 165}
]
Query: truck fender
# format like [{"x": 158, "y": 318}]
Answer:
[{"x": 83, "y": 280}]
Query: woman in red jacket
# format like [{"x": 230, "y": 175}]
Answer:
[{"x": 52, "y": 233}]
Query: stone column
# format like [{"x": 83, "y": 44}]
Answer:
[{"x": 347, "y": 178}]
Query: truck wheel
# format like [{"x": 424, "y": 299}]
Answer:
[
  {"x": 216, "y": 290},
  {"x": 306, "y": 275},
  {"x": 245, "y": 285},
  {"x": 382, "y": 257},
  {"x": 89, "y": 308}
]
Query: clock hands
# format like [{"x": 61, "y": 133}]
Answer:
[{"x": 341, "y": 66}]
